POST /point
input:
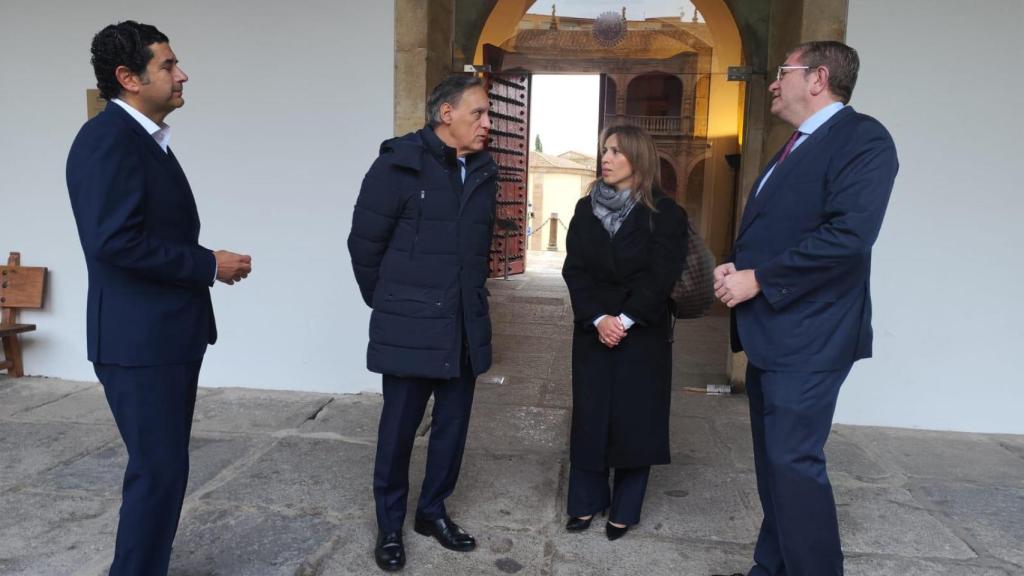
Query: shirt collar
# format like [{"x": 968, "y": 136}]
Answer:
[
  {"x": 160, "y": 132},
  {"x": 820, "y": 117}
]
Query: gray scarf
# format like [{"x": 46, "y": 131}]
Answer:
[{"x": 611, "y": 206}]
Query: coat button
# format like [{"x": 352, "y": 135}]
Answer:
[
  {"x": 785, "y": 290},
  {"x": 446, "y": 364}
]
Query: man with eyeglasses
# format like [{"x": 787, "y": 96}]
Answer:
[{"x": 798, "y": 287}]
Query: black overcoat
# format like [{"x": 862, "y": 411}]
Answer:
[
  {"x": 420, "y": 243},
  {"x": 621, "y": 395}
]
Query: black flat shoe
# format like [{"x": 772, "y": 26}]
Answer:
[
  {"x": 578, "y": 524},
  {"x": 447, "y": 533},
  {"x": 614, "y": 532},
  {"x": 389, "y": 552}
]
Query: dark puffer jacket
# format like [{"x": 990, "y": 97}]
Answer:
[{"x": 419, "y": 245}]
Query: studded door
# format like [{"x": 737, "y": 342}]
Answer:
[{"x": 509, "y": 145}]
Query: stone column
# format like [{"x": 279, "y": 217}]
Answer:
[{"x": 423, "y": 56}]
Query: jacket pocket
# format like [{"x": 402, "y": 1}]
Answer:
[{"x": 409, "y": 301}]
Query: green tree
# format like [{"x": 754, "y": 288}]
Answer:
[{"x": 536, "y": 144}]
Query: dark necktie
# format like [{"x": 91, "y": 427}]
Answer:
[{"x": 789, "y": 146}]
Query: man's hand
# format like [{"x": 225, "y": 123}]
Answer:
[
  {"x": 610, "y": 331},
  {"x": 232, "y": 267},
  {"x": 733, "y": 286},
  {"x": 723, "y": 270}
]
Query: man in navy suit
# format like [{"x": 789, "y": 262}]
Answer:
[
  {"x": 798, "y": 286},
  {"x": 149, "y": 317}
]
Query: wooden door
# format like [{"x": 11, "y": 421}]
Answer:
[{"x": 510, "y": 146}]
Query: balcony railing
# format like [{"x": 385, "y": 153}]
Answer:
[{"x": 676, "y": 125}]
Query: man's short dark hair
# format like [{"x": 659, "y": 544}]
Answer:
[
  {"x": 122, "y": 44},
  {"x": 449, "y": 91},
  {"x": 841, "y": 61}
]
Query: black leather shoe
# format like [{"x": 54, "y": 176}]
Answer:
[
  {"x": 614, "y": 532},
  {"x": 389, "y": 552},
  {"x": 578, "y": 524},
  {"x": 447, "y": 533}
]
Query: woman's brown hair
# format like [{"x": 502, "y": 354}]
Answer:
[{"x": 638, "y": 147}]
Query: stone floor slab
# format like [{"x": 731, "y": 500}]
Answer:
[
  {"x": 849, "y": 461},
  {"x": 507, "y": 492},
  {"x": 591, "y": 554},
  {"x": 875, "y": 566},
  {"x": 888, "y": 521},
  {"x": 507, "y": 429},
  {"x": 993, "y": 516},
  {"x": 100, "y": 473},
  {"x": 46, "y": 533},
  {"x": 23, "y": 394},
  {"x": 304, "y": 474},
  {"x": 350, "y": 416},
  {"x": 239, "y": 410},
  {"x": 699, "y": 502},
  {"x": 693, "y": 441},
  {"x": 28, "y": 448},
  {"x": 248, "y": 541},
  {"x": 928, "y": 454}
]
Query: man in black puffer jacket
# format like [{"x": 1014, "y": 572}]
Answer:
[{"x": 420, "y": 239}]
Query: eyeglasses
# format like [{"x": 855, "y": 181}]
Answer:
[{"x": 784, "y": 68}]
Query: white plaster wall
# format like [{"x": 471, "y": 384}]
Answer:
[
  {"x": 286, "y": 105},
  {"x": 949, "y": 324}
]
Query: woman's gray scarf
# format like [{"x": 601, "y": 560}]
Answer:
[{"x": 611, "y": 206}]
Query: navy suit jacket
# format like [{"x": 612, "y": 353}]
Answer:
[
  {"x": 149, "y": 279},
  {"x": 808, "y": 236}
]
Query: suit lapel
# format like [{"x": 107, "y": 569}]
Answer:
[
  {"x": 779, "y": 177},
  {"x": 183, "y": 181},
  {"x": 149, "y": 143},
  {"x": 167, "y": 161}
]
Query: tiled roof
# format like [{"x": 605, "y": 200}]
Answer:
[{"x": 556, "y": 163}]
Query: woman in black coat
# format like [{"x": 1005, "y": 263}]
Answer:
[{"x": 625, "y": 249}]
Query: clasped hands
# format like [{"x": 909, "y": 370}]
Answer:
[
  {"x": 232, "y": 267},
  {"x": 734, "y": 286},
  {"x": 610, "y": 331}
]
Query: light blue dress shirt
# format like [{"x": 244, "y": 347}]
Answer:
[{"x": 806, "y": 129}]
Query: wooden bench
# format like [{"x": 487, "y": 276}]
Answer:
[{"x": 20, "y": 287}]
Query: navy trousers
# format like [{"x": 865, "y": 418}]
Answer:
[
  {"x": 589, "y": 493},
  {"x": 790, "y": 420},
  {"x": 152, "y": 406},
  {"x": 405, "y": 399}
]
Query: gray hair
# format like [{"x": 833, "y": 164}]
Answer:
[{"x": 449, "y": 91}]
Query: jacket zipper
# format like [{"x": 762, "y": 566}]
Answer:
[{"x": 419, "y": 216}]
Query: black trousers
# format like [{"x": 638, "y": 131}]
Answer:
[
  {"x": 152, "y": 406},
  {"x": 405, "y": 399},
  {"x": 790, "y": 419},
  {"x": 589, "y": 493}
]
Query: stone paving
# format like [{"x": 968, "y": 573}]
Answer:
[{"x": 280, "y": 481}]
